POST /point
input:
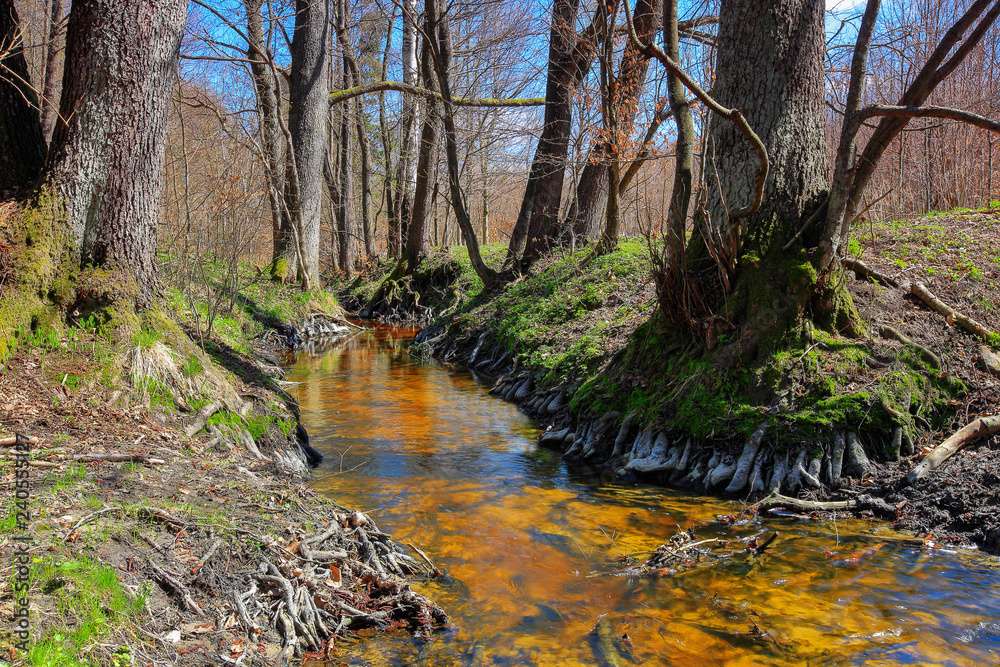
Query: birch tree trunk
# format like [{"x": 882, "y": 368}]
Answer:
[{"x": 406, "y": 167}]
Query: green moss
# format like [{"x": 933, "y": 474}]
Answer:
[
  {"x": 279, "y": 269},
  {"x": 39, "y": 268},
  {"x": 90, "y": 603}
]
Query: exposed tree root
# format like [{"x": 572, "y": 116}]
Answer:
[
  {"x": 865, "y": 272},
  {"x": 983, "y": 427},
  {"x": 778, "y": 500},
  {"x": 890, "y": 332}
]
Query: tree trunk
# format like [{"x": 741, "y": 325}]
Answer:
[
  {"x": 584, "y": 217},
  {"x": 389, "y": 192},
  {"x": 680, "y": 197},
  {"x": 22, "y": 145},
  {"x": 107, "y": 150},
  {"x": 442, "y": 62},
  {"x": 271, "y": 140},
  {"x": 406, "y": 175},
  {"x": 345, "y": 208},
  {"x": 351, "y": 67},
  {"x": 740, "y": 263},
  {"x": 307, "y": 122},
  {"x": 537, "y": 227},
  {"x": 779, "y": 90},
  {"x": 416, "y": 232},
  {"x": 55, "y": 42}
]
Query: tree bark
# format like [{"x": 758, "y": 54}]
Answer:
[
  {"x": 22, "y": 144},
  {"x": 779, "y": 90},
  {"x": 737, "y": 266},
  {"x": 271, "y": 139},
  {"x": 351, "y": 67},
  {"x": 416, "y": 231},
  {"x": 406, "y": 174},
  {"x": 441, "y": 50},
  {"x": 307, "y": 123},
  {"x": 345, "y": 208},
  {"x": 537, "y": 227},
  {"x": 107, "y": 150},
  {"x": 584, "y": 216},
  {"x": 55, "y": 42},
  {"x": 680, "y": 197}
]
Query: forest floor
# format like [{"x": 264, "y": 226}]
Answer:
[
  {"x": 585, "y": 334},
  {"x": 171, "y": 526}
]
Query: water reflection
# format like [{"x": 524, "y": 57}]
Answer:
[{"x": 527, "y": 544}]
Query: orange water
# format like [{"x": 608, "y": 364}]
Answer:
[{"x": 527, "y": 543}]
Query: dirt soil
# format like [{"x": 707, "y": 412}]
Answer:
[
  {"x": 957, "y": 256},
  {"x": 232, "y": 560}
]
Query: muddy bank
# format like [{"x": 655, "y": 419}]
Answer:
[{"x": 187, "y": 534}]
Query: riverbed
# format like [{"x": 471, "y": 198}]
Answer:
[{"x": 530, "y": 547}]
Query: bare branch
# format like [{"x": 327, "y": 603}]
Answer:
[
  {"x": 338, "y": 96},
  {"x": 932, "y": 112}
]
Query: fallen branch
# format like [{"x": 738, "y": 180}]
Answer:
[
  {"x": 980, "y": 428},
  {"x": 920, "y": 291},
  {"x": 57, "y": 460},
  {"x": 778, "y": 500},
  {"x": 865, "y": 272},
  {"x": 11, "y": 440},
  {"x": 180, "y": 589}
]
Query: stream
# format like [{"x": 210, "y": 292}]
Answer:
[{"x": 529, "y": 544}]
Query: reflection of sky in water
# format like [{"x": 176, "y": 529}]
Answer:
[{"x": 442, "y": 464}]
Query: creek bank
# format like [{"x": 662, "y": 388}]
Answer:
[
  {"x": 171, "y": 522},
  {"x": 958, "y": 504},
  {"x": 577, "y": 346}
]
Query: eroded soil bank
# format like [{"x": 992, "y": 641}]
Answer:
[
  {"x": 168, "y": 516},
  {"x": 578, "y": 346}
]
